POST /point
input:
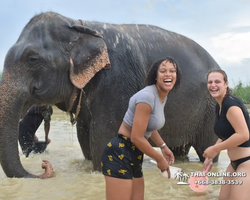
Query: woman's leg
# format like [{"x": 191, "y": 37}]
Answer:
[
  {"x": 241, "y": 191},
  {"x": 117, "y": 188},
  {"x": 138, "y": 189},
  {"x": 226, "y": 189}
]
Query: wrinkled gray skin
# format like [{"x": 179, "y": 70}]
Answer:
[{"x": 37, "y": 70}]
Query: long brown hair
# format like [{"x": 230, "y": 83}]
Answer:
[{"x": 229, "y": 91}]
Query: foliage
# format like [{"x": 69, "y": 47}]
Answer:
[{"x": 243, "y": 93}]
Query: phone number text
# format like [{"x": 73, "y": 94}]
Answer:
[{"x": 219, "y": 182}]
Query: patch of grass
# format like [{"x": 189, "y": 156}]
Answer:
[{"x": 243, "y": 93}]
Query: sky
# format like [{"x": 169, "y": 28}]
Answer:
[{"x": 221, "y": 27}]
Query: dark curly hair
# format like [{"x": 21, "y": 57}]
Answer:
[{"x": 152, "y": 74}]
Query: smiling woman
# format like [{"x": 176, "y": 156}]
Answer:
[
  {"x": 232, "y": 126},
  {"x": 123, "y": 155}
]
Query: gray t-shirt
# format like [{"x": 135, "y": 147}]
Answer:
[{"x": 148, "y": 95}]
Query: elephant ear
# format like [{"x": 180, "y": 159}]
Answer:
[{"x": 88, "y": 56}]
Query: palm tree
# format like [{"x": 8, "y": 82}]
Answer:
[
  {"x": 178, "y": 175},
  {"x": 185, "y": 176}
]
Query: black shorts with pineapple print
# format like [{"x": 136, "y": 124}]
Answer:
[{"x": 121, "y": 159}]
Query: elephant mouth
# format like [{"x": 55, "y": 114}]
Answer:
[
  {"x": 75, "y": 103},
  {"x": 25, "y": 108}
]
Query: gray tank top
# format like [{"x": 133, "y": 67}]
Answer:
[{"x": 148, "y": 95}]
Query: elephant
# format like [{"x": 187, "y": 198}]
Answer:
[{"x": 90, "y": 69}]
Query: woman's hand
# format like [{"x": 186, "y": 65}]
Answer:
[
  {"x": 211, "y": 152},
  {"x": 163, "y": 165},
  {"x": 167, "y": 154}
]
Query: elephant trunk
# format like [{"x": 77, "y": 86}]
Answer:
[{"x": 11, "y": 102}]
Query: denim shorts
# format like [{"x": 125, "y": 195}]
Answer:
[{"x": 121, "y": 159}]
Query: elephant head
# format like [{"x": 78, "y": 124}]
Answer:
[{"x": 53, "y": 58}]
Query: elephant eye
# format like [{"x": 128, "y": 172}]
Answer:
[
  {"x": 33, "y": 59},
  {"x": 34, "y": 62}
]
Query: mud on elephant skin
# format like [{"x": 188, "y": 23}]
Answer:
[{"x": 99, "y": 66}]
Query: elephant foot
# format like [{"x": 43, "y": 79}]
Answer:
[
  {"x": 87, "y": 156},
  {"x": 86, "y": 152}
]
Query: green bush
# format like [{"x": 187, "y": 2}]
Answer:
[{"x": 243, "y": 93}]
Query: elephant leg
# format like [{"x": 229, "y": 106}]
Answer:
[
  {"x": 97, "y": 146},
  {"x": 200, "y": 155},
  {"x": 99, "y": 138},
  {"x": 200, "y": 152},
  {"x": 202, "y": 142},
  {"x": 205, "y": 137},
  {"x": 83, "y": 134},
  {"x": 83, "y": 139}
]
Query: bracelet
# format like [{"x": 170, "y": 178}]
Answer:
[{"x": 163, "y": 145}]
